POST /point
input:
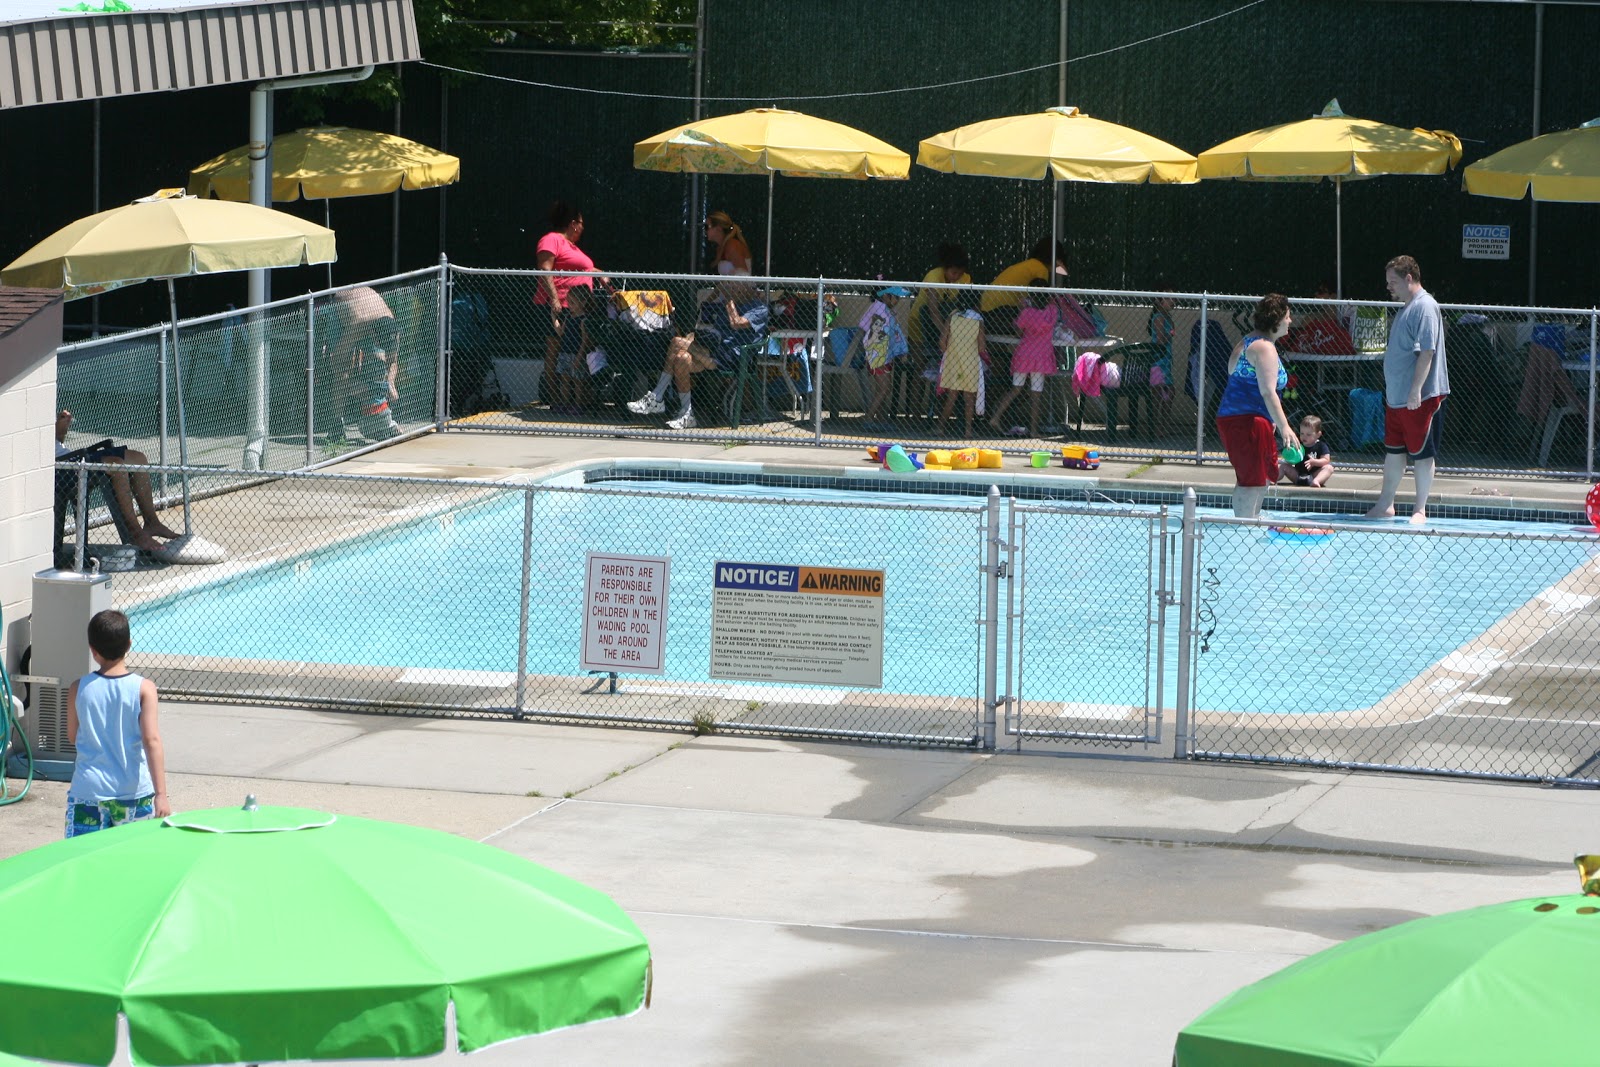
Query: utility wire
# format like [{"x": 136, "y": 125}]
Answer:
[{"x": 771, "y": 98}]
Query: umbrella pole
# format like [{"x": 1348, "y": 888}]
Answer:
[
  {"x": 1338, "y": 238},
  {"x": 771, "y": 176},
  {"x": 177, "y": 378},
  {"x": 327, "y": 220},
  {"x": 1055, "y": 224}
]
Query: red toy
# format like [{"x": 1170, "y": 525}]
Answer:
[{"x": 1593, "y": 502}]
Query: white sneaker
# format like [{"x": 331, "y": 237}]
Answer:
[
  {"x": 649, "y": 404},
  {"x": 682, "y": 422}
]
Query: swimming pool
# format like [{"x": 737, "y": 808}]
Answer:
[{"x": 442, "y": 592}]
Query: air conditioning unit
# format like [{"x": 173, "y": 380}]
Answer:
[{"x": 63, "y": 604}]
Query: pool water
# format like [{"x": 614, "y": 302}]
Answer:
[{"x": 442, "y": 593}]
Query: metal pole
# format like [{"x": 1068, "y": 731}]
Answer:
[
  {"x": 394, "y": 238},
  {"x": 522, "y": 605},
  {"x": 696, "y": 208},
  {"x": 1592, "y": 316},
  {"x": 818, "y": 354},
  {"x": 1181, "y": 740},
  {"x": 80, "y": 539},
  {"x": 441, "y": 373},
  {"x": 311, "y": 373},
  {"x": 1338, "y": 237},
  {"x": 1199, "y": 362},
  {"x": 161, "y": 410},
  {"x": 772, "y": 176},
  {"x": 94, "y": 301},
  {"x": 1014, "y": 637},
  {"x": 183, "y": 426},
  {"x": 444, "y": 146},
  {"x": 991, "y": 615},
  {"x": 1061, "y": 101},
  {"x": 1538, "y": 100},
  {"x": 1163, "y": 599}
]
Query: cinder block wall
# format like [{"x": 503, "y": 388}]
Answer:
[{"x": 30, "y": 333}]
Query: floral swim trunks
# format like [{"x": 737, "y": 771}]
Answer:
[{"x": 102, "y": 815}]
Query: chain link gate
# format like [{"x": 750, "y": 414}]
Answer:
[{"x": 1093, "y": 666}]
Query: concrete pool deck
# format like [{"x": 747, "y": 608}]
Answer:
[
  {"x": 829, "y": 903},
  {"x": 816, "y": 902}
]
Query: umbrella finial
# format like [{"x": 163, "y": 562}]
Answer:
[
  {"x": 249, "y": 802},
  {"x": 1332, "y": 110},
  {"x": 1067, "y": 110},
  {"x": 1589, "y": 874}
]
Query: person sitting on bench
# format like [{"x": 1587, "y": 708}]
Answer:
[{"x": 127, "y": 487}]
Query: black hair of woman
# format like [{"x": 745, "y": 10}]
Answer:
[
  {"x": 953, "y": 255},
  {"x": 562, "y": 215}
]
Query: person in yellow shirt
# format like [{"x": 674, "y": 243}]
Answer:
[
  {"x": 928, "y": 314},
  {"x": 1000, "y": 308}
]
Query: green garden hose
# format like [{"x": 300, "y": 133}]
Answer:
[{"x": 8, "y": 725}]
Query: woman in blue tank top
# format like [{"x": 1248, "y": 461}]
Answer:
[{"x": 1251, "y": 409}]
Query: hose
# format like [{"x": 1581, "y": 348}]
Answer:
[{"x": 8, "y": 725}]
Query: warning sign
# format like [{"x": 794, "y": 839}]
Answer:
[
  {"x": 625, "y": 613},
  {"x": 774, "y": 622},
  {"x": 1485, "y": 242}
]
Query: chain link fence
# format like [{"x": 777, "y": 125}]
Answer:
[
  {"x": 283, "y": 387},
  {"x": 1521, "y": 378},
  {"x": 1467, "y": 647},
  {"x": 408, "y": 595},
  {"x": 1469, "y": 652}
]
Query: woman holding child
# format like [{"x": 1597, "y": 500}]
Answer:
[{"x": 1251, "y": 409}]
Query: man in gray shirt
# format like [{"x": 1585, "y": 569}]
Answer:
[{"x": 1416, "y": 383}]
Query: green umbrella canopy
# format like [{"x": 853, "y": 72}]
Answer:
[
  {"x": 258, "y": 935},
  {"x": 1507, "y": 985}
]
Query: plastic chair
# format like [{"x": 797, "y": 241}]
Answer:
[
  {"x": 66, "y": 499},
  {"x": 1136, "y": 361}
]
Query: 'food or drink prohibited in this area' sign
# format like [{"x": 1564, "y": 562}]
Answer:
[
  {"x": 1485, "y": 242},
  {"x": 781, "y": 622},
  {"x": 625, "y": 613}
]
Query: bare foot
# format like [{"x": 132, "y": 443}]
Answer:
[
  {"x": 1376, "y": 512},
  {"x": 143, "y": 540},
  {"x": 157, "y": 529},
  {"x": 1418, "y": 518}
]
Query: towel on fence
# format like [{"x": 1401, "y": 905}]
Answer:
[
  {"x": 1366, "y": 417},
  {"x": 645, "y": 309},
  {"x": 1544, "y": 384}
]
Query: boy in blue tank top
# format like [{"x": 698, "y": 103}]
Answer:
[{"x": 120, "y": 774}]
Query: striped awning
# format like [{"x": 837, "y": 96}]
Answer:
[{"x": 165, "y": 45}]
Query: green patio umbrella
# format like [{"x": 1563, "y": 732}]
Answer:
[
  {"x": 271, "y": 934},
  {"x": 1507, "y": 985}
]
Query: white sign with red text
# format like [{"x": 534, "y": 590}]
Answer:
[{"x": 625, "y": 613}]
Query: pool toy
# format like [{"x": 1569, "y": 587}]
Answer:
[
  {"x": 1039, "y": 459},
  {"x": 964, "y": 459},
  {"x": 928, "y": 466},
  {"x": 872, "y": 454},
  {"x": 1308, "y": 534},
  {"x": 990, "y": 457},
  {"x": 897, "y": 460},
  {"x": 1080, "y": 457},
  {"x": 1292, "y": 454},
  {"x": 1592, "y": 503},
  {"x": 937, "y": 459}
]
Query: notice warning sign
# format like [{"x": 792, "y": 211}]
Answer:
[{"x": 776, "y": 622}]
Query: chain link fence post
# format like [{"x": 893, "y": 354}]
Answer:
[
  {"x": 1589, "y": 469},
  {"x": 1200, "y": 385},
  {"x": 441, "y": 374},
  {"x": 311, "y": 375},
  {"x": 817, "y": 358},
  {"x": 1181, "y": 729},
  {"x": 525, "y": 594},
  {"x": 991, "y": 615}
]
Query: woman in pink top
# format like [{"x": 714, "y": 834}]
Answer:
[
  {"x": 1034, "y": 358},
  {"x": 558, "y": 250}
]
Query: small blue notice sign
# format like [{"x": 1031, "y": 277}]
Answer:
[{"x": 1479, "y": 241}]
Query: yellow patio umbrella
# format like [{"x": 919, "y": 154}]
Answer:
[
  {"x": 169, "y": 235},
  {"x": 1563, "y": 166},
  {"x": 322, "y": 162},
  {"x": 1331, "y": 145},
  {"x": 1060, "y": 143},
  {"x": 771, "y": 141},
  {"x": 328, "y": 161}
]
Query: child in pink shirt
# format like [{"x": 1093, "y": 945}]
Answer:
[{"x": 1034, "y": 358}]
